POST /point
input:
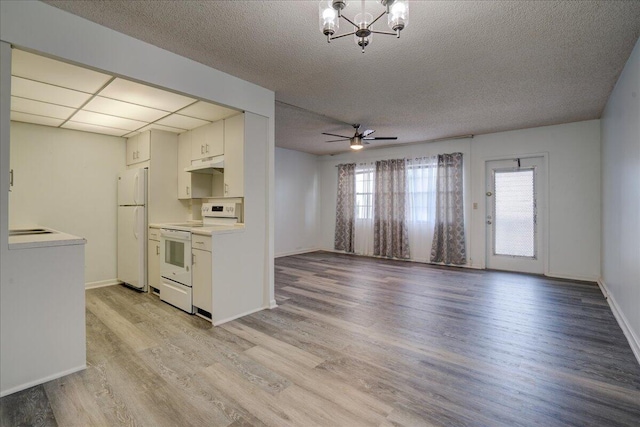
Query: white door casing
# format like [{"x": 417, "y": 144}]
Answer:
[{"x": 515, "y": 217}]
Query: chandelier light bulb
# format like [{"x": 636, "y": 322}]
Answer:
[
  {"x": 329, "y": 22},
  {"x": 398, "y": 17}
]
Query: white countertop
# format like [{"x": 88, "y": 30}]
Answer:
[
  {"x": 197, "y": 228},
  {"x": 55, "y": 238}
]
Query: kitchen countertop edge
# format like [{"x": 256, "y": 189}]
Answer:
[{"x": 57, "y": 238}]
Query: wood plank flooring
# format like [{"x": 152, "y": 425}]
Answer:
[{"x": 354, "y": 341}]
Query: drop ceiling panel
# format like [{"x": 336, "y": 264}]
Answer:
[
  {"x": 87, "y": 127},
  {"x": 123, "y": 109},
  {"x": 161, "y": 127},
  {"x": 107, "y": 121},
  {"x": 38, "y": 108},
  {"x": 136, "y": 93},
  {"x": 47, "y": 93},
  {"x": 205, "y": 111},
  {"x": 182, "y": 122},
  {"x": 31, "y": 118},
  {"x": 34, "y": 67}
]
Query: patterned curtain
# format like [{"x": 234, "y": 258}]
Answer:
[
  {"x": 390, "y": 234},
  {"x": 345, "y": 207},
  {"x": 448, "y": 236}
]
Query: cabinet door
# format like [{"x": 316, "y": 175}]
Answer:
[
  {"x": 184, "y": 160},
  {"x": 202, "y": 295},
  {"x": 234, "y": 156},
  {"x": 198, "y": 137},
  {"x": 153, "y": 264},
  {"x": 214, "y": 143},
  {"x": 132, "y": 148},
  {"x": 144, "y": 147}
]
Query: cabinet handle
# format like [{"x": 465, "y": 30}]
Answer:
[
  {"x": 206, "y": 149},
  {"x": 11, "y": 178},
  {"x": 187, "y": 190},
  {"x": 199, "y": 243},
  {"x": 157, "y": 249},
  {"x": 202, "y": 149},
  {"x": 193, "y": 258},
  {"x": 226, "y": 188}
]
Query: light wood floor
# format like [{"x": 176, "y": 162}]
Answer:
[{"x": 355, "y": 341}]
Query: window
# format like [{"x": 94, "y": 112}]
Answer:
[
  {"x": 364, "y": 191},
  {"x": 421, "y": 183}
]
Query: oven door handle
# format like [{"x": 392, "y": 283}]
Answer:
[{"x": 167, "y": 233}]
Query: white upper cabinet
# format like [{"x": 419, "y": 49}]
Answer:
[
  {"x": 138, "y": 148},
  {"x": 207, "y": 141},
  {"x": 234, "y": 134},
  {"x": 190, "y": 185}
]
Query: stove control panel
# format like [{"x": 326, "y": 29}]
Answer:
[{"x": 220, "y": 210}]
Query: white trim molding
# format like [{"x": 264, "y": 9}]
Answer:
[
  {"x": 297, "y": 252},
  {"x": 101, "y": 284},
  {"x": 634, "y": 341},
  {"x": 42, "y": 380},
  {"x": 229, "y": 319}
]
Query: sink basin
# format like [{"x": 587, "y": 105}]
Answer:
[{"x": 29, "y": 231}]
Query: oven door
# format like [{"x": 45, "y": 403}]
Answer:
[{"x": 175, "y": 255}]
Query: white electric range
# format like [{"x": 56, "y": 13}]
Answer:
[{"x": 175, "y": 251}]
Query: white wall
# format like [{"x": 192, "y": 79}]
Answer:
[
  {"x": 297, "y": 202},
  {"x": 621, "y": 200},
  {"x": 573, "y": 152},
  {"x": 44, "y": 29},
  {"x": 66, "y": 180}
]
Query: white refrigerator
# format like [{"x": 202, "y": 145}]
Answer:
[{"x": 132, "y": 228}]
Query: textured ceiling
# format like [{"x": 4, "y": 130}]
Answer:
[{"x": 460, "y": 67}]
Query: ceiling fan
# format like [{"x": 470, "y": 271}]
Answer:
[{"x": 358, "y": 140}]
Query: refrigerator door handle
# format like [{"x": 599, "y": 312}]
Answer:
[
  {"x": 135, "y": 222},
  {"x": 135, "y": 189}
]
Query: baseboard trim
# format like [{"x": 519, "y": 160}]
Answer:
[
  {"x": 297, "y": 252},
  {"x": 591, "y": 279},
  {"x": 634, "y": 342},
  {"x": 102, "y": 283},
  {"x": 417, "y": 261},
  {"x": 42, "y": 380},
  {"x": 272, "y": 304},
  {"x": 246, "y": 313}
]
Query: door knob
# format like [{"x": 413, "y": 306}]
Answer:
[{"x": 489, "y": 193}]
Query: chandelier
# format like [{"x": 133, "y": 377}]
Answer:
[{"x": 397, "y": 12}]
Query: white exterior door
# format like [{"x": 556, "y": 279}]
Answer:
[{"x": 515, "y": 217}]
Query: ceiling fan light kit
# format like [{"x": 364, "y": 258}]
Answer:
[
  {"x": 358, "y": 140},
  {"x": 397, "y": 12}
]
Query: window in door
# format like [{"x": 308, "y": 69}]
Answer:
[{"x": 515, "y": 213}]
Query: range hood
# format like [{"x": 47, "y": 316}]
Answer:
[{"x": 209, "y": 165}]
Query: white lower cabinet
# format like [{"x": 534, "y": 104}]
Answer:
[
  {"x": 153, "y": 260},
  {"x": 202, "y": 273}
]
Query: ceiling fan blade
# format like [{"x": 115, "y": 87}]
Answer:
[
  {"x": 333, "y": 134},
  {"x": 381, "y": 138},
  {"x": 368, "y": 132},
  {"x": 336, "y": 140}
]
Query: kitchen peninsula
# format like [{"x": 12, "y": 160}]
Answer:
[{"x": 43, "y": 329}]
